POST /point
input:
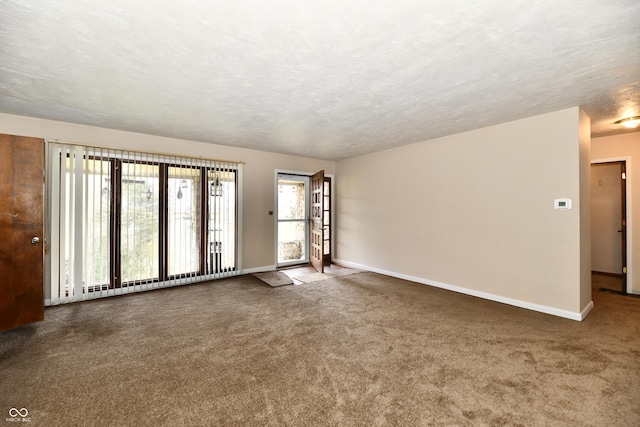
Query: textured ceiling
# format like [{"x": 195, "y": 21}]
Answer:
[{"x": 327, "y": 79}]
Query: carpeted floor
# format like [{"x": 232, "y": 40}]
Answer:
[{"x": 362, "y": 349}]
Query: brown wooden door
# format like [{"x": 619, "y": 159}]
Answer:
[
  {"x": 317, "y": 229},
  {"x": 21, "y": 230},
  {"x": 326, "y": 220}
]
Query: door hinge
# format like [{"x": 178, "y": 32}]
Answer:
[
  {"x": 624, "y": 270},
  {"x": 624, "y": 175}
]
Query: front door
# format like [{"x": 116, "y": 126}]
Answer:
[
  {"x": 21, "y": 228},
  {"x": 317, "y": 221}
]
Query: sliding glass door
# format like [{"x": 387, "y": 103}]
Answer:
[
  {"x": 222, "y": 220},
  {"x": 183, "y": 220},
  {"x": 124, "y": 220},
  {"x": 139, "y": 206}
]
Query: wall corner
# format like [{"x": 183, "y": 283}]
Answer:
[{"x": 584, "y": 140}]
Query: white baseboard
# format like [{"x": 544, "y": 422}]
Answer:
[
  {"x": 258, "y": 269},
  {"x": 492, "y": 297},
  {"x": 586, "y": 310}
]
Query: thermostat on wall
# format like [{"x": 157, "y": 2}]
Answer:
[{"x": 562, "y": 204}]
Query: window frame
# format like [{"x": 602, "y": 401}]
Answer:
[{"x": 116, "y": 159}]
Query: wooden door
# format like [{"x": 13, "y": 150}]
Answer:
[
  {"x": 326, "y": 220},
  {"x": 21, "y": 228},
  {"x": 317, "y": 226}
]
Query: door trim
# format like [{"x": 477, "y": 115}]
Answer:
[
  {"x": 628, "y": 213},
  {"x": 307, "y": 237}
]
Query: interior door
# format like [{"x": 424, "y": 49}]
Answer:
[
  {"x": 317, "y": 224},
  {"x": 608, "y": 223},
  {"x": 21, "y": 228}
]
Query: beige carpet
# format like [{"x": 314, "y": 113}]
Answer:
[
  {"x": 358, "y": 350},
  {"x": 274, "y": 278}
]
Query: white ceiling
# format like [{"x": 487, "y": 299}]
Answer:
[{"x": 327, "y": 79}]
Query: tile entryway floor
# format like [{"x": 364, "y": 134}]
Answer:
[{"x": 307, "y": 274}]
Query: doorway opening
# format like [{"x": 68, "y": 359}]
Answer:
[
  {"x": 609, "y": 226},
  {"x": 292, "y": 225},
  {"x": 303, "y": 220}
]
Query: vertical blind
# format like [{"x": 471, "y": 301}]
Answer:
[{"x": 124, "y": 221}]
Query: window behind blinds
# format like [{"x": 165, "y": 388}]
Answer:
[{"x": 124, "y": 221}]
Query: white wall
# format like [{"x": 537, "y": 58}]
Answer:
[
  {"x": 474, "y": 212},
  {"x": 258, "y": 191},
  {"x": 626, "y": 146}
]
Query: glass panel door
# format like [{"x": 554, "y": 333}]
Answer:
[
  {"x": 293, "y": 219},
  {"x": 183, "y": 226},
  {"x": 96, "y": 189},
  {"x": 139, "y": 222},
  {"x": 222, "y": 221}
]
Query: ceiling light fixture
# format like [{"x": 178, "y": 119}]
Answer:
[{"x": 629, "y": 122}]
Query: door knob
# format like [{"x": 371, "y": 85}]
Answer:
[
  {"x": 35, "y": 240},
  {"x": 620, "y": 231}
]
